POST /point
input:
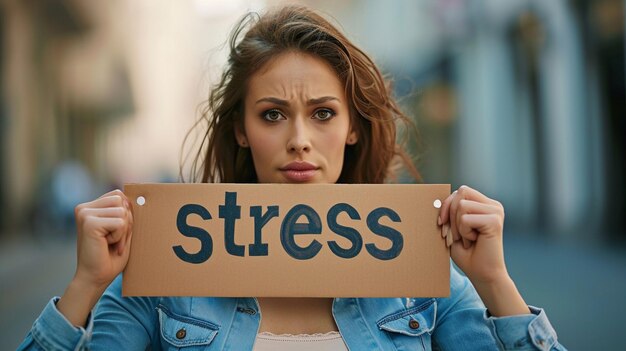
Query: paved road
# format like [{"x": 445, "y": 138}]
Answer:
[
  {"x": 31, "y": 273},
  {"x": 582, "y": 287}
]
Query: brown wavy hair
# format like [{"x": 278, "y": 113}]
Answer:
[{"x": 255, "y": 40}]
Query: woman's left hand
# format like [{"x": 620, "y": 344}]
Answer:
[{"x": 476, "y": 224}]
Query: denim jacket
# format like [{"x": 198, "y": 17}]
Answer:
[{"x": 459, "y": 322}]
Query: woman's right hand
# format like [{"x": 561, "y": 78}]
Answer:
[{"x": 104, "y": 229}]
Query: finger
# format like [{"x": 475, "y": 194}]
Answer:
[
  {"x": 106, "y": 212},
  {"x": 472, "y": 194},
  {"x": 112, "y": 192},
  {"x": 125, "y": 242},
  {"x": 458, "y": 253},
  {"x": 483, "y": 223},
  {"x": 467, "y": 234},
  {"x": 122, "y": 244},
  {"x": 449, "y": 240},
  {"x": 445, "y": 208},
  {"x": 454, "y": 233},
  {"x": 461, "y": 210},
  {"x": 475, "y": 207},
  {"x": 466, "y": 230},
  {"x": 476, "y": 200},
  {"x": 467, "y": 200},
  {"x": 466, "y": 243},
  {"x": 104, "y": 227},
  {"x": 454, "y": 207},
  {"x": 115, "y": 200},
  {"x": 85, "y": 213},
  {"x": 117, "y": 192},
  {"x": 455, "y": 247},
  {"x": 117, "y": 236}
]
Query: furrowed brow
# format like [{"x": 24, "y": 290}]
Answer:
[
  {"x": 282, "y": 102},
  {"x": 321, "y": 100},
  {"x": 274, "y": 100}
]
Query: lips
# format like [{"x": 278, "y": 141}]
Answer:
[{"x": 299, "y": 171}]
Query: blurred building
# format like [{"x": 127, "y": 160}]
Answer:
[
  {"x": 62, "y": 89},
  {"x": 96, "y": 94},
  {"x": 523, "y": 100}
]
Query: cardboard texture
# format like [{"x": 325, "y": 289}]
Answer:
[{"x": 188, "y": 241}]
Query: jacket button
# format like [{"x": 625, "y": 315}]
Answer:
[
  {"x": 181, "y": 333},
  {"x": 413, "y": 324},
  {"x": 249, "y": 311}
]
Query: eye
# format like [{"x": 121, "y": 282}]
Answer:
[
  {"x": 324, "y": 114},
  {"x": 272, "y": 115}
]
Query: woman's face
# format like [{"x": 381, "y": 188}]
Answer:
[{"x": 297, "y": 121}]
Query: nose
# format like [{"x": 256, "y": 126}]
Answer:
[{"x": 299, "y": 139}]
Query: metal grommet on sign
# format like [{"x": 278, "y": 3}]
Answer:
[
  {"x": 413, "y": 324},
  {"x": 181, "y": 333},
  {"x": 141, "y": 200},
  {"x": 437, "y": 203}
]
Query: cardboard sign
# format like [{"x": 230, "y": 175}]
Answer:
[{"x": 287, "y": 240}]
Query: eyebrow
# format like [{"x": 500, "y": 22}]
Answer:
[{"x": 281, "y": 102}]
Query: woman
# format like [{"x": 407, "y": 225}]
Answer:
[{"x": 297, "y": 103}]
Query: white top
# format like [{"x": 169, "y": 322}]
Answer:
[{"x": 331, "y": 341}]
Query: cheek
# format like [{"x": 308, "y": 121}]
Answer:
[
  {"x": 333, "y": 145},
  {"x": 263, "y": 149},
  {"x": 258, "y": 138},
  {"x": 262, "y": 146}
]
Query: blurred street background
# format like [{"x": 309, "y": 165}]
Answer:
[{"x": 522, "y": 99}]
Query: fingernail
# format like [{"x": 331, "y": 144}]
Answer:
[
  {"x": 449, "y": 240},
  {"x": 444, "y": 231},
  {"x": 466, "y": 243},
  {"x": 438, "y": 220}
]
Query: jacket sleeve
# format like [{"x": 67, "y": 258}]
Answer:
[
  {"x": 52, "y": 331},
  {"x": 118, "y": 323},
  {"x": 463, "y": 323},
  {"x": 527, "y": 332}
]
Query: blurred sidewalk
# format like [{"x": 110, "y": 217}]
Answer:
[
  {"x": 31, "y": 273},
  {"x": 581, "y": 287}
]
